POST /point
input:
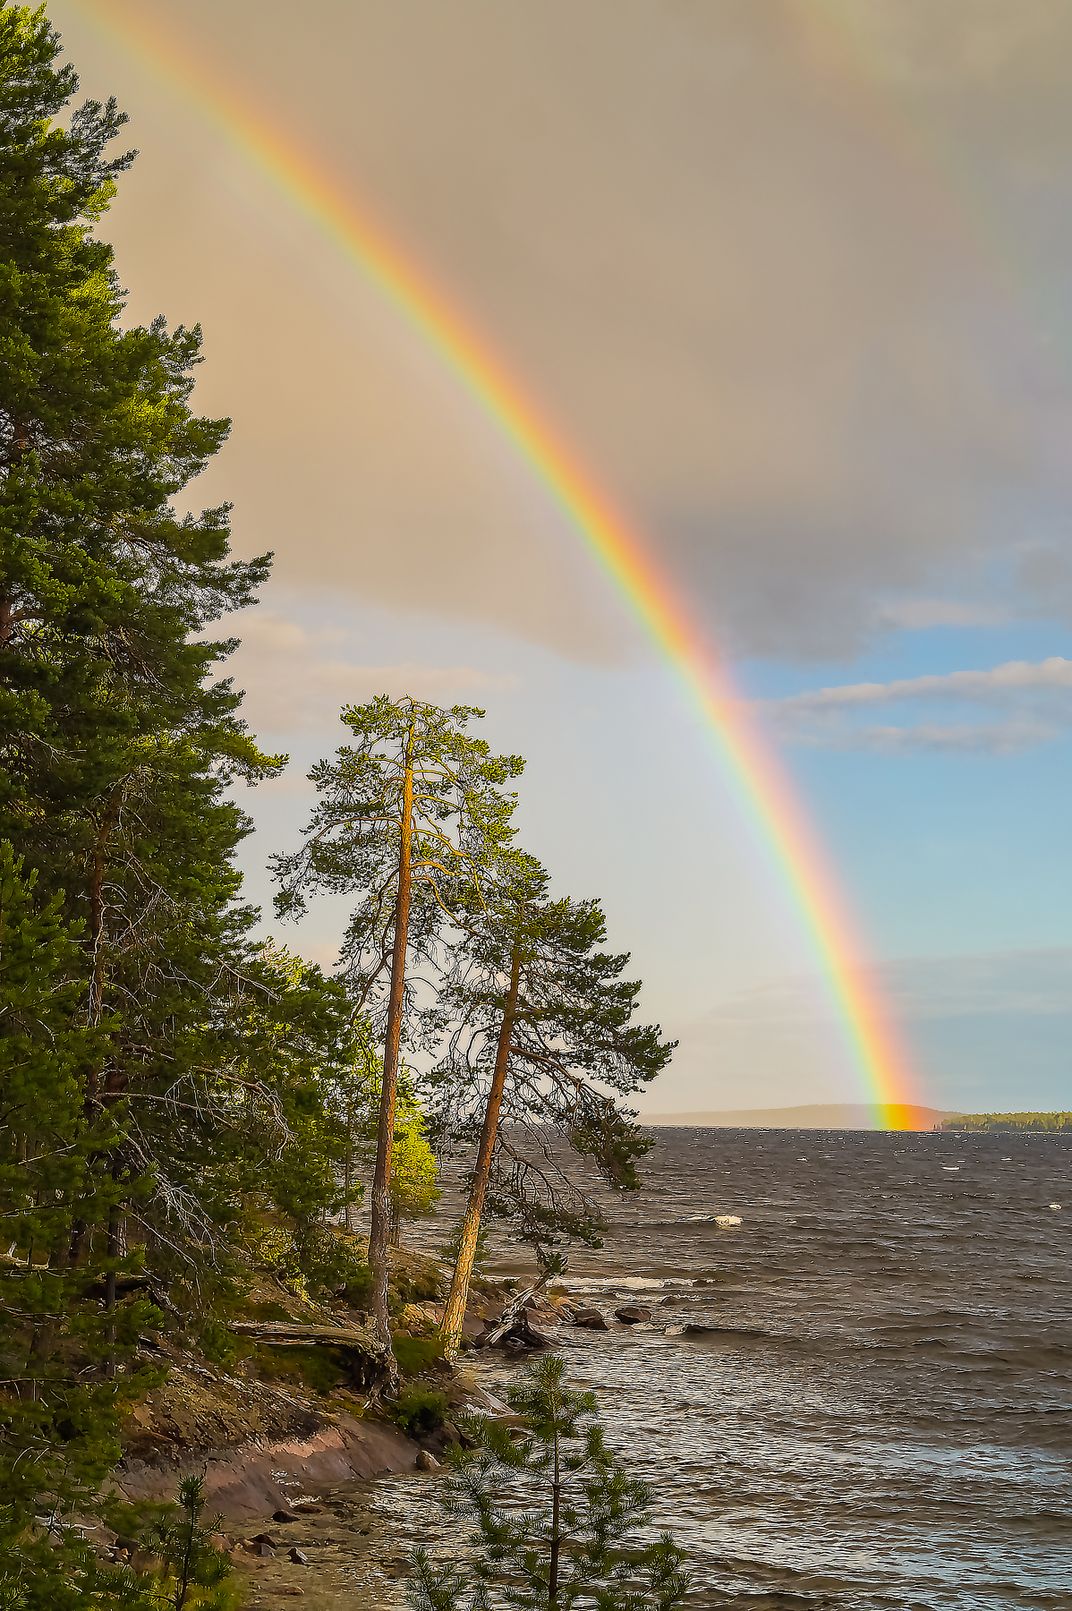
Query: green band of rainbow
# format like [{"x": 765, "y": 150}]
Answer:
[{"x": 759, "y": 781}]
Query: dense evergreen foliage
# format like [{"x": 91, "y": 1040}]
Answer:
[{"x": 157, "y": 1069}]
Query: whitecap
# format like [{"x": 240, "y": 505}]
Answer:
[{"x": 1056, "y": 1207}]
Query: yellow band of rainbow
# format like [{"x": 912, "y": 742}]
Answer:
[{"x": 759, "y": 780}]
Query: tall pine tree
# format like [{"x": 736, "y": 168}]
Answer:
[
  {"x": 409, "y": 813},
  {"x": 544, "y": 1038}
]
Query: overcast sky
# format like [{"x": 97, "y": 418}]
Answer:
[{"x": 792, "y": 279}]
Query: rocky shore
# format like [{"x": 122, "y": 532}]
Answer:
[{"x": 286, "y": 1466}]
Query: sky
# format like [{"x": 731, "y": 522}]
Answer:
[{"x": 790, "y": 277}]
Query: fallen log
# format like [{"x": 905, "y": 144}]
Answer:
[
  {"x": 511, "y": 1315},
  {"x": 367, "y": 1363},
  {"x": 296, "y": 1333}
]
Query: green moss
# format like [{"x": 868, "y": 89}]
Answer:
[
  {"x": 320, "y": 1369},
  {"x": 417, "y": 1355}
]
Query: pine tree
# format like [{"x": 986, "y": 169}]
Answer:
[
  {"x": 556, "y": 1515},
  {"x": 119, "y": 742},
  {"x": 412, "y": 809},
  {"x": 193, "y": 1572},
  {"x": 544, "y": 1036}
]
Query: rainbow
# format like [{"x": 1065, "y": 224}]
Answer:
[{"x": 759, "y": 781}]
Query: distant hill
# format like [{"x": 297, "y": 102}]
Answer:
[{"x": 813, "y": 1116}]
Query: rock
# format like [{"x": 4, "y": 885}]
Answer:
[
  {"x": 590, "y": 1319},
  {"x": 298, "y": 1557},
  {"x": 263, "y": 1549},
  {"x": 427, "y": 1461},
  {"x": 283, "y": 1516},
  {"x": 523, "y": 1334},
  {"x": 633, "y": 1314},
  {"x": 697, "y": 1328}
]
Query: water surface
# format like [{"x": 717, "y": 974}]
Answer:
[{"x": 881, "y": 1419}]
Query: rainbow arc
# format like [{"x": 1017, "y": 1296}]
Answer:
[{"x": 758, "y": 778}]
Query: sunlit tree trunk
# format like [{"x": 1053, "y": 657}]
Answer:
[
  {"x": 380, "y": 1231},
  {"x": 458, "y": 1297}
]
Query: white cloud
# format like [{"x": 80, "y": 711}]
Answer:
[
  {"x": 1029, "y": 698},
  {"x": 1012, "y": 676}
]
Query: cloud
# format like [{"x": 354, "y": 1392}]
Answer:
[
  {"x": 1011, "y": 677},
  {"x": 292, "y": 684},
  {"x": 921, "y": 614},
  {"x": 751, "y": 261},
  {"x": 1032, "y": 698}
]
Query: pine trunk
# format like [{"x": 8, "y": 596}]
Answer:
[
  {"x": 454, "y": 1311},
  {"x": 380, "y": 1230},
  {"x": 556, "y": 1529}
]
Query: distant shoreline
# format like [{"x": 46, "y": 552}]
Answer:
[
  {"x": 810, "y": 1116},
  {"x": 858, "y": 1116}
]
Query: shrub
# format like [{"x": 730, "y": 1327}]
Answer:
[{"x": 420, "y": 1410}]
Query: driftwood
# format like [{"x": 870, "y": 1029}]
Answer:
[{"x": 511, "y": 1318}]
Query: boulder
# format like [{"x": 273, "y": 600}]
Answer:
[
  {"x": 523, "y": 1334},
  {"x": 633, "y": 1314},
  {"x": 426, "y": 1461},
  {"x": 590, "y": 1319},
  {"x": 284, "y": 1516},
  {"x": 299, "y": 1557}
]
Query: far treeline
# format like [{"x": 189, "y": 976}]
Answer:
[
  {"x": 186, "y": 1106},
  {"x": 1009, "y": 1121}
]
